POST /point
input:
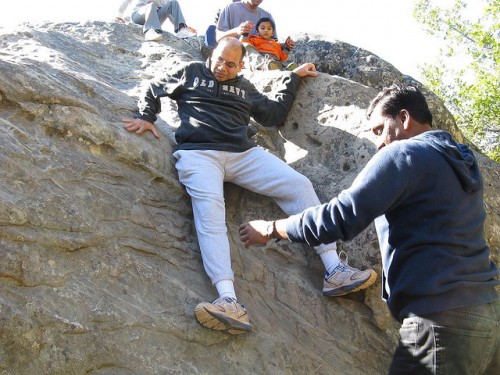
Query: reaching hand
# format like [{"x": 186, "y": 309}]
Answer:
[
  {"x": 254, "y": 233},
  {"x": 139, "y": 126},
  {"x": 289, "y": 43},
  {"x": 245, "y": 27},
  {"x": 307, "y": 69}
]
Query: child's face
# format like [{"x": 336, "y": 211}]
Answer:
[{"x": 266, "y": 30}]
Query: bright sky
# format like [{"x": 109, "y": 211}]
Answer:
[{"x": 383, "y": 27}]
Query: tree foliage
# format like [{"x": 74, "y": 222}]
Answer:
[{"x": 466, "y": 75}]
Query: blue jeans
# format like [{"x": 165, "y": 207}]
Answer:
[
  {"x": 461, "y": 341},
  {"x": 153, "y": 17}
]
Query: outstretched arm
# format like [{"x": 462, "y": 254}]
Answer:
[
  {"x": 388, "y": 176},
  {"x": 272, "y": 111},
  {"x": 243, "y": 28},
  {"x": 258, "y": 232}
]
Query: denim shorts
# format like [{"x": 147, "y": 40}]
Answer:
[{"x": 462, "y": 341}]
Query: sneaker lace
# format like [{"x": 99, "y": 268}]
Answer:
[
  {"x": 344, "y": 260},
  {"x": 224, "y": 299},
  {"x": 227, "y": 300},
  {"x": 265, "y": 63}
]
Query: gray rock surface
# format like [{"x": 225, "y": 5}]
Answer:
[{"x": 99, "y": 264}]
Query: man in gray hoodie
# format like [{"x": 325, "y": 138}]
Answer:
[
  {"x": 214, "y": 146},
  {"x": 425, "y": 193}
]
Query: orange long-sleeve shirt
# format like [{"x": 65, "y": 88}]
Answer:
[{"x": 267, "y": 46}]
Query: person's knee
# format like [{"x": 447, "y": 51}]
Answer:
[
  {"x": 173, "y": 4},
  {"x": 150, "y": 6},
  {"x": 210, "y": 211},
  {"x": 302, "y": 182}
]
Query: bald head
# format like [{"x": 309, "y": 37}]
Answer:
[
  {"x": 227, "y": 59},
  {"x": 233, "y": 44}
]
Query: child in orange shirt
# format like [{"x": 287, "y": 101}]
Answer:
[{"x": 264, "y": 52}]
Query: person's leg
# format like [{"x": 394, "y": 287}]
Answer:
[
  {"x": 210, "y": 36},
  {"x": 148, "y": 17},
  {"x": 261, "y": 172},
  {"x": 458, "y": 341},
  {"x": 493, "y": 367},
  {"x": 202, "y": 173},
  {"x": 253, "y": 59},
  {"x": 172, "y": 11},
  {"x": 203, "y": 176}
]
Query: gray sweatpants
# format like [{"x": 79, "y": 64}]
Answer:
[
  {"x": 203, "y": 173},
  {"x": 153, "y": 17}
]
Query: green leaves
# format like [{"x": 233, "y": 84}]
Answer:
[{"x": 466, "y": 75}]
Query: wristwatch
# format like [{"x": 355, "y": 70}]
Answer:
[{"x": 271, "y": 231}]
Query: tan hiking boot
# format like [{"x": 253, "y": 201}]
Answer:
[
  {"x": 274, "y": 65},
  {"x": 224, "y": 314}
]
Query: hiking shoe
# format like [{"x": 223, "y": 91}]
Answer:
[
  {"x": 253, "y": 59},
  {"x": 345, "y": 279},
  {"x": 185, "y": 32},
  {"x": 291, "y": 66},
  {"x": 224, "y": 314},
  {"x": 152, "y": 35},
  {"x": 274, "y": 65}
]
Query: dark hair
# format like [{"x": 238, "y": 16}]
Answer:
[
  {"x": 400, "y": 96},
  {"x": 265, "y": 19}
]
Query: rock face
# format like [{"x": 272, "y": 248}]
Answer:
[{"x": 99, "y": 264}]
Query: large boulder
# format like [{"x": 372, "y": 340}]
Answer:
[{"x": 100, "y": 268}]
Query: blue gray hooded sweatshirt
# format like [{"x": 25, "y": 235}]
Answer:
[{"x": 426, "y": 197}]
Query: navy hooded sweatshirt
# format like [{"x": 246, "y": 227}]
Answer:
[{"x": 426, "y": 197}]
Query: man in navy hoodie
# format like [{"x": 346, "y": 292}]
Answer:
[{"x": 425, "y": 193}]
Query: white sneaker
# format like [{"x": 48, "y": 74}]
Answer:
[
  {"x": 346, "y": 279},
  {"x": 186, "y": 32},
  {"x": 152, "y": 35}
]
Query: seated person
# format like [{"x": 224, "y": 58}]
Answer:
[
  {"x": 210, "y": 34},
  {"x": 152, "y": 14},
  {"x": 239, "y": 18},
  {"x": 271, "y": 54}
]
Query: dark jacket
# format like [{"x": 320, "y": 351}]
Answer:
[
  {"x": 426, "y": 197},
  {"x": 215, "y": 115}
]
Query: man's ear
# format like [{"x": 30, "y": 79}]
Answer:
[{"x": 405, "y": 118}]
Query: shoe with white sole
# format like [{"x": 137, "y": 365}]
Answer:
[
  {"x": 345, "y": 279},
  {"x": 224, "y": 314},
  {"x": 152, "y": 35},
  {"x": 185, "y": 32}
]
